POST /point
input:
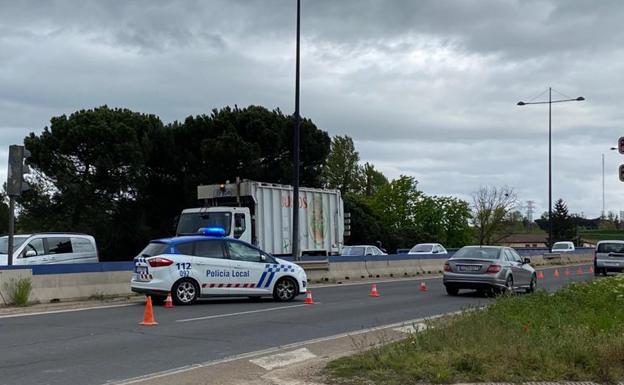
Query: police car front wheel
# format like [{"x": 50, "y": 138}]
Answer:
[
  {"x": 285, "y": 290},
  {"x": 185, "y": 292}
]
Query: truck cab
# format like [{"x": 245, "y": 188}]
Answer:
[{"x": 236, "y": 221}]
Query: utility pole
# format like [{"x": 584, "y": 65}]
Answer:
[
  {"x": 15, "y": 186},
  {"x": 296, "y": 134}
]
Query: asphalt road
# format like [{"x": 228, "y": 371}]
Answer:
[{"x": 107, "y": 345}]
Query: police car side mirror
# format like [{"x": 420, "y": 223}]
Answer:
[{"x": 263, "y": 258}]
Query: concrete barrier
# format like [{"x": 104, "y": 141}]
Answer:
[{"x": 83, "y": 281}]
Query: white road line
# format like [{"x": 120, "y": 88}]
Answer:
[
  {"x": 66, "y": 310},
  {"x": 240, "y": 313},
  {"x": 409, "y": 329},
  {"x": 258, "y": 353},
  {"x": 281, "y": 360}
]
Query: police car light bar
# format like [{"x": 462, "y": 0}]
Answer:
[{"x": 212, "y": 231}]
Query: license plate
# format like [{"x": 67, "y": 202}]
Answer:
[
  {"x": 141, "y": 270},
  {"x": 469, "y": 268}
]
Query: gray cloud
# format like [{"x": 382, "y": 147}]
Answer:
[{"x": 425, "y": 88}]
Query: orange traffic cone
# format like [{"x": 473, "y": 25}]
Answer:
[
  {"x": 556, "y": 274},
  {"x": 308, "y": 299},
  {"x": 540, "y": 275},
  {"x": 423, "y": 286},
  {"x": 168, "y": 301},
  {"x": 579, "y": 271},
  {"x": 148, "y": 315},
  {"x": 567, "y": 273},
  {"x": 591, "y": 269},
  {"x": 374, "y": 292}
]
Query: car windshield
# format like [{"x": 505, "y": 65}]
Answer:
[
  {"x": 4, "y": 243},
  {"x": 611, "y": 247},
  {"x": 353, "y": 250},
  {"x": 421, "y": 249},
  {"x": 477, "y": 253},
  {"x": 560, "y": 246},
  {"x": 191, "y": 222},
  {"x": 153, "y": 248}
]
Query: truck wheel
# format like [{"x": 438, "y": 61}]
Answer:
[
  {"x": 185, "y": 292},
  {"x": 285, "y": 290}
]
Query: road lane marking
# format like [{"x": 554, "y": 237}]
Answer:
[
  {"x": 414, "y": 328},
  {"x": 294, "y": 345},
  {"x": 240, "y": 313},
  {"x": 67, "y": 310},
  {"x": 281, "y": 360}
]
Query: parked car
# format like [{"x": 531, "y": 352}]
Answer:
[
  {"x": 211, "y": 264},
  {"x": 609, "y": 257},
  {"x": 488, "y": 268},
  {"x": 362, "y": 250},
  {"x": 49, "y": 248},
  {"x": 428, "y": 248},
  {"x": 563, "y": 247}
]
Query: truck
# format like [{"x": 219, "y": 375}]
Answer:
[{"x": 261, "y": 213}]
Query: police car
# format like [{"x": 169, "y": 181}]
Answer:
[{"x": 210, "y": 264}]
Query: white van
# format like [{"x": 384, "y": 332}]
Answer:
[
  {"x": 563, "y": 247},
  {"x": 49, "y": 248}
]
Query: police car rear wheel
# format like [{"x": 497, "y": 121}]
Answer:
[
  {"x": 185, "y": 292},
  {"x": 285, "y": 290}
]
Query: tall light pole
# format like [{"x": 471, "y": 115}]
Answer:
[
  {"x": 295, "y": 203},
  {"x": 550, "y": 102}
]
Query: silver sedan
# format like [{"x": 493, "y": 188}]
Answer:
[{"x": 488, "y": 269}]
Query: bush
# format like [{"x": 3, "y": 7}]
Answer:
[{"x": 19, "y": 291}]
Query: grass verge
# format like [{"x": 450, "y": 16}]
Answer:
[
  {"x": 576, "y": 334},
  {"x": 19, "y": 291}
]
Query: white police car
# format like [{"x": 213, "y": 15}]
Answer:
[{"x": 209, "y": 264}]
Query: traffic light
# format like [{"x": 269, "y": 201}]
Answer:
[
  {"x": 621, "y": 145},
  {"x": 621, "y": 173},
  {"x": 347, "y": 224},
  {"x": 17, "y": 169}
]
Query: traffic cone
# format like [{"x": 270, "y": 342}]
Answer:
[
  {"x": 556, "y": 274},
  {"x": 540, "y": 275},
  {"x": 579, "y": 271},
  {"x": 423, "y": 286},
  {"x": 308, "y": 300},
  {"x": 148, "y": 315},
  {"x": 374, "y": 292},
  {"x": 567, "y": 273},
  {"x": 168, "y": 301},
  {"x": 591, "y": 269}
]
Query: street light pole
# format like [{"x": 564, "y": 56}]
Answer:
[
  {"x": 550, "y": 102},
  {"x": 603, "y": 193},
  {"x": 296, "y": 134}
]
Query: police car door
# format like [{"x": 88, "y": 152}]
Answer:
[
  {"x": 212, "y": 267},
  {"x": 248, "y": 269}
]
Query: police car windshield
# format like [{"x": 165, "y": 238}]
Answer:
[
  {"x": 4, "y": 244},
  {"x": 191, "y": 222},
  {"x": 154, "y": 248}
]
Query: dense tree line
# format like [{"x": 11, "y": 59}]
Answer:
[{"x": 123, "y": 176}]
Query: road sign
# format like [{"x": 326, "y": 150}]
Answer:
[{"x": 621, "y": 145}]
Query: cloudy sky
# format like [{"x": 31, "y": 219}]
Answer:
[{"x": 425, "y": 88}]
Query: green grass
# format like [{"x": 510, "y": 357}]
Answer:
[
  {"x": 576, "y": 334},
  {"x": 19, "y": 291},
  {"x": 602, "y": 234}
]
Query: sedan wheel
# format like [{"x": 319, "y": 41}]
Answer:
[
  {"x": 185, "y": 292},
  {"x": 285, "y": 290},
  {"x": 509, "y": 287}
]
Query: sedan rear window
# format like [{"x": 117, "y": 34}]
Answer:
[
  {"x": 477, "y": 253},
  {"x": 153, "y": 248},
  {"x": 611, "y": 248}
]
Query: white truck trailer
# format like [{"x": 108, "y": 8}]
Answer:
[{"x": 261, "y": 213}]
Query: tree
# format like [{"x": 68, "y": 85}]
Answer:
[
  {"x": 4, "y": 214},
  {"x": 123, "y": 176},
  {"x": 341, "y": 170},
  {"x": 371, "y": 180},
  {"x": 564, "y": 228},
  {"x": 491, "y": 205}
]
